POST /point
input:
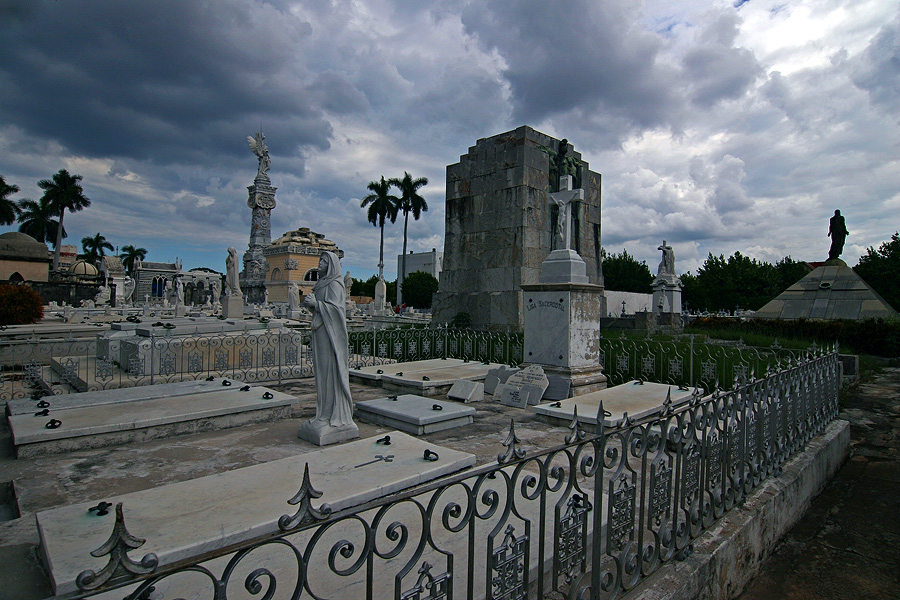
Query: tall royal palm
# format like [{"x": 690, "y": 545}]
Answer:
[
  {"x": 64, "y": 192},
  {"x": 37, "y": 219},
  {"x": 95, "y": 248},
  {"x": 382, "y": 206},
  {"x": 129, "y": 255},
  {"x": 410, "y": 202},
  {"x": 9, "y": 210}
]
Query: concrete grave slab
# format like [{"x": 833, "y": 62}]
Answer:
[
  {"x": 434, "y": 382},
  {"x": 375, "y": 372},
  {"x": 558, "y": 388},
  {"x": 635, "y": 398},
  {"x": 115, "y": 396},
  {"x": 184, "y": 520},
  {"x": 107, "y": 425},
  {"x": 414, "y": 414},
  {"x": 467, "y": 391}
]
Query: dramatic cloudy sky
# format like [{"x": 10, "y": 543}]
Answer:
[{"x": 717, "y": 125}]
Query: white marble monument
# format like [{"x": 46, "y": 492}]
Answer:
[
  {"x": 329, "y": 340},
  {"x": 667, "y": 285}
]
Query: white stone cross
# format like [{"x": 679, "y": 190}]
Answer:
[{"x": 563, "y": 199}]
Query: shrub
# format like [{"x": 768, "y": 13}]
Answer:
[{"x": 20, "y": 305}]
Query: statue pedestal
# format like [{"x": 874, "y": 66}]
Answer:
[
  {"x": 667, "y": 294},
  {"x": 233, "y": 307},
  {"x": 562, "y": 332},
  {"x": 322, "y": 433},
  {"x": 564, "y": 266}
]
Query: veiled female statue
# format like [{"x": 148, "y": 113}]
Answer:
[
  {"x": 329, "y": 339},
  {"x": 232, "y": 283}
]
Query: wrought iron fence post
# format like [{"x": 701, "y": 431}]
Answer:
[
  {"x": 692, "y": 361},
  {"x": 280, "y": 344},
  {"x": 152, "y": 351}
]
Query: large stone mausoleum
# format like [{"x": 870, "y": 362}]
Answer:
[{"x": 500, "y": 224}]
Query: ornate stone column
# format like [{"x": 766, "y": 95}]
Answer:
[{"x": 261, "y": 201}]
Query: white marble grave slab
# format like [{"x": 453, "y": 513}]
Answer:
[
  {"x": 532, "y": 375},
  {"x": 104, "y": 425},
  {"x": 435, "y": 381},
  {"x": 637, "y": 399},
  {"x": 374, "y": 373},
  {"x": 466, "y": 391},
  {"x": 115, "y": 396},
  {"x": 186, "y": 519},
  {"x": 414, "y": 414}
]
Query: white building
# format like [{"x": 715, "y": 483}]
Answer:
[{"x": 427, "y": 262}]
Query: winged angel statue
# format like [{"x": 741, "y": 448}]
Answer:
[{"x": 259, "y": 148}]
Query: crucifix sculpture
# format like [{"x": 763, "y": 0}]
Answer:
[{"x": 563, "y": 199}]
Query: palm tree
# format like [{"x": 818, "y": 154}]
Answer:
[
  {"x": 410, "y": 202},
  {"x": 129, "y": 255},
  {"x": 95, "y": 248},
  {"x": 9, "y": 210},
  {"x": 37, "y": 220},
  {"x": 64, "y": 192},
  {"x": 382, "y": 206}
]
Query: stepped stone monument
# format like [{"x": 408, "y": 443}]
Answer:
[
  {"x": 563, "y": 311},
  {"x": 501, "y": 224},
  {"x": 666, "y": 304},
  {"x": 261, "y": 201}
]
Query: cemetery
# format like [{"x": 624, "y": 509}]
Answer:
[{"x": 226, "y": 439}]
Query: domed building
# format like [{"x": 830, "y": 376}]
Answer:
[
  {"x": 83, "y": 270},
  {"x": 23, "y": 258}
]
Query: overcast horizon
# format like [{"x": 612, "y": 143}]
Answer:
[{"x": 719, "y": 126}]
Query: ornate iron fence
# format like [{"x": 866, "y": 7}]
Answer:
[
  {"x": 590, "y": 518},
  {"x": 272, "y": 355},
  {"x": 682, "y": 361}
]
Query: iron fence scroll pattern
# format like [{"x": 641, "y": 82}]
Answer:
[{"x": 589, "y": 518}]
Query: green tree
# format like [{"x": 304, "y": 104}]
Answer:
[
  {"x": 367, "y": 288},
  {"x": 9, "y": 210},
  {"x": 728, "y": 284},
  {"x": 64, "y": 192},
  {"x": 410, "y": 202},
  {"x": 37, "y": 220},
  {"x": 790, "y": 272},
  {"x": 382, "y": 207},
  {"x": 20, "y": 305},
  {"x": 623, "y": 273},
  {"x": 95, "y": 248},
  {"x": 881, "y": 270},
  {"x": 130, "y": 255},
  {"x": 418, "y": 288}
]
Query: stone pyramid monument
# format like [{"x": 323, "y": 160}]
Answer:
[{"x": 831, "y": 291}]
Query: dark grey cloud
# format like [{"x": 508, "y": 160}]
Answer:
[
  {"x": 162, "y": 81},
  {"x": 878, "y": 70},
  {"x": 588, "y": 55}
]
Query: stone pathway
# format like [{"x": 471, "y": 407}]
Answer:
[{"x": 848, "y": 544}]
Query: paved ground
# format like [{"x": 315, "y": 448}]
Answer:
[
  {"x": 74, "y": 477},
  {"x": 848, "y": 545}
]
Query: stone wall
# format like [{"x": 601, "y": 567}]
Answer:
[{"x": 498, "y": 227}]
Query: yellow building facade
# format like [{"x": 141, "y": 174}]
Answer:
[{"x": 294, "y": 257}]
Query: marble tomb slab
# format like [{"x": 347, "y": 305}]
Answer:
[
  {"x": 115, "y": 396},
  {"x": 414, "y": 414},
  {"x": 435, "y": 381},
  {"x": 375, "y": 372},
  {"x": 637, "y": 399},
  {"x": 186, "y": 519},
  {"x": 141, "y": 420}
]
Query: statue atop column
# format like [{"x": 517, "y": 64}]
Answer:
[
  {"x": 259, "y": 148},
  {"x": 667, "y": 264},
  {"x": 837, "y": 230}
]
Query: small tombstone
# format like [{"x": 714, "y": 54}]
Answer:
[
  {"x": 530, "y": 376},
  {"x": 559, "y": 388},
  {"x": 467, "y": 391},
  {"x": 510, "y": 395},
  {"x": 497, "y": 376}
]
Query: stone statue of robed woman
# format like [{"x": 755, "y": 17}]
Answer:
[{"x": 329, "y": 341}]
